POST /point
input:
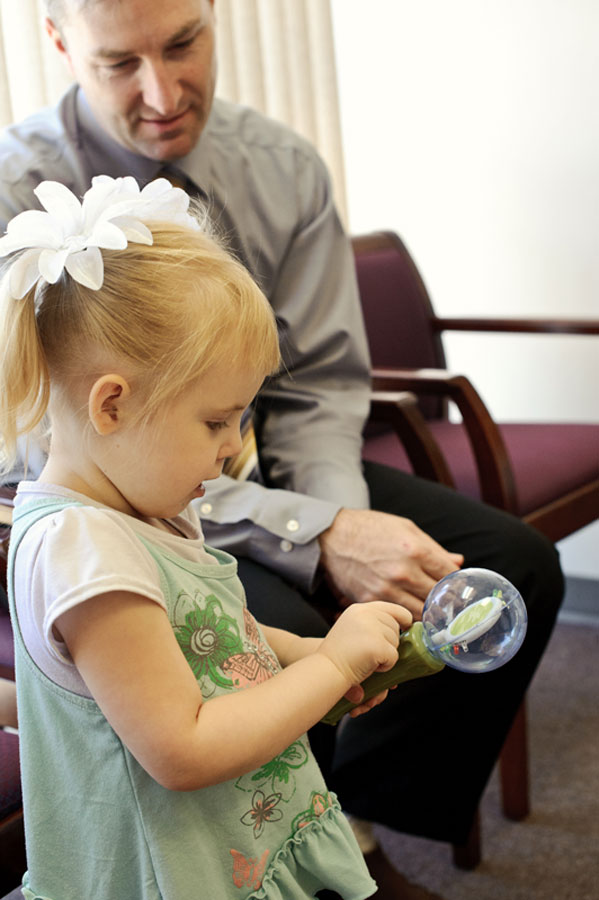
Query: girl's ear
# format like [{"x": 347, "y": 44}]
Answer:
[{"x": 105, "y": 405}]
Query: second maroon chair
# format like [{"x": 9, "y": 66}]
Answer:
[{"x": 547, "y": 474}]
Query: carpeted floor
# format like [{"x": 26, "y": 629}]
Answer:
[{"x": 554, "y": 853}]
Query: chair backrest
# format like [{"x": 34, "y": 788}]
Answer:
[{"x": 397, "y": 309}]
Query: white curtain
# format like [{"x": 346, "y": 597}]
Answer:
[{"x": 275, "y": 55}]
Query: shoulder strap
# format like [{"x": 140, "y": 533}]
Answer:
[{"x": 23, "y": 518}]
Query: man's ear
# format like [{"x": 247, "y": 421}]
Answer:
[
  {"x": 105, "y": 404},
  {"x": 57, "y": 39}
]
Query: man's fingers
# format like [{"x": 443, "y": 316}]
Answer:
[
  {"x": 369, "y": 555},
  {"x": 355, "y": 693},
  {"x": 368, "y": 705}
]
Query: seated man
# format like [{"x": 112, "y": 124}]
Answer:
[{"x": 313, "y": 519}]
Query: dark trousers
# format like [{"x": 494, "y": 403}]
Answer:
[{"x": 419, "y": 762}]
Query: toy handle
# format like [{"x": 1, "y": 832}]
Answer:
[{"x": 415, "y": 661}]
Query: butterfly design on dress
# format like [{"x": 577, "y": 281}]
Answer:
[
  {"x": 248, "y": 871},
  {"x": 253, "y": 666}
]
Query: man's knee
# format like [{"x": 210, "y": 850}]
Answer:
[{"x": 531, "y": 562}]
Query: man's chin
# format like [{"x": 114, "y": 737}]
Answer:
[
  {"x": 167, "y": 147},
  {"x": 164, "y": 150}
]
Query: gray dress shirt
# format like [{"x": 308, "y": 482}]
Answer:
[{"x": 269, "y": 193}]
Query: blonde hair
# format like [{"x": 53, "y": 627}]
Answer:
[{"x": 166, "y": 312}]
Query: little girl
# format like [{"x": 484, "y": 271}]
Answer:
[{"x": 163, "y": 743}]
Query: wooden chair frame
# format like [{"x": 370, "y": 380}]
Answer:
[{"x": 394, "y": 391}]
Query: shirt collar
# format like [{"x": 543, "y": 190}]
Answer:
[{"x": 196, "y": 165}]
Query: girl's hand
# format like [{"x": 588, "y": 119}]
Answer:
[{"x": 364, "y": 639}]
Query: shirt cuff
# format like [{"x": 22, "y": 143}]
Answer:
[{"x": 289, "y": 547}]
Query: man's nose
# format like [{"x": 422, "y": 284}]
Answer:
[{"x": 160, "y": 88}]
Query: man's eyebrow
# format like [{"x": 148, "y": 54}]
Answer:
[{"x": 182, "y": 33}]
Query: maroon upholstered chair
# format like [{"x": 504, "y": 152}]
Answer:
[
  {"x": 498, "y": 463},
  {"x": 12, "y": 836},
  {"x": 7, "y": 655}
]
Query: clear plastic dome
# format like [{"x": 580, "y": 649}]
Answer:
[{"x": 474, "y": 620}]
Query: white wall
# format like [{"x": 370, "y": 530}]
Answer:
[{"x": 472, "y": 129}]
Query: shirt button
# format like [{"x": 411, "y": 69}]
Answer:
[
  {"x": 286, "y": 546},
  {"x": 206, "y": 509},
  {"x": 292, "y": 525}
]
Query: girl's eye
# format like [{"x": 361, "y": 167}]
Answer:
[{"x": 216, "y": 426}]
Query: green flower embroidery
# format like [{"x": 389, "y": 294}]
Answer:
[
  {"x": 319, "y": 803},
  {"x": 209, "y": 637},
  {"x": 277, "y": 775}
]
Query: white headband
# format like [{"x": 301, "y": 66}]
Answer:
[{"x": 70, "y": 234}]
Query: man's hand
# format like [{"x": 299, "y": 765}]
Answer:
[{"x": 369, "y": 555}]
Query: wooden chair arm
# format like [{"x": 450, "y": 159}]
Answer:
[
  {"x": 400, "y": 409},
  {"x": 523, "y": 326},
  {"x": 493, "y": 465}
]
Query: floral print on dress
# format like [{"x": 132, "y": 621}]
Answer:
[
  {"x": 253, "y": 634},
  {"x": 278, "y": 775},
  {"x": 319, "y": 803},
  {"x": 255, "y": 665},
  {"x": 207, "y": 638},
  {"x": 263, "y": 810}
]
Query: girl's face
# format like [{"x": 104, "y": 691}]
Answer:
[{"x": 158, "y": 468}]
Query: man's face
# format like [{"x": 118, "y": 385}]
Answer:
[{"x": 147, "y": 68}]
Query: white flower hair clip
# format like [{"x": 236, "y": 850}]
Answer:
[{"x": 71, "y": 234}]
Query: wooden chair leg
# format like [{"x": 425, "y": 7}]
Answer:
[
  {"x": 468, "y": 855},
  {"x": 513, "y": 769}
]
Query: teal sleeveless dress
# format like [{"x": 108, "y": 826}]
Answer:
[{"x": 98, "y": 826}]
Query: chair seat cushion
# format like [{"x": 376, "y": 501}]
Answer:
[{"x": 548, "y": 460}]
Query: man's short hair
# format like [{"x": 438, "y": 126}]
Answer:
[{"x": 56, "y": 9}]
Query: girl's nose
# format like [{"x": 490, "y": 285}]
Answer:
[{"x": 233, "y": 444}]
